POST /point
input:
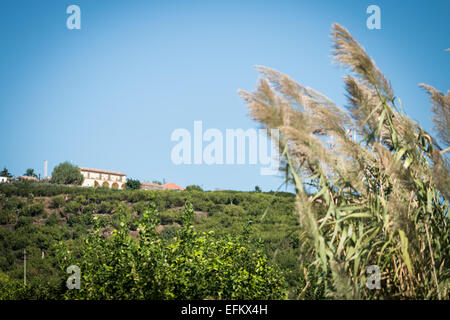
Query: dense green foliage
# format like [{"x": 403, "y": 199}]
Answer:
[
  {"x": 133, "y": 184},
  {"x": 66, "y": 173},
  {"x": 38, "y": 216},
  {"x": 191, "y": 265},
  {"x": 193, "y": 188},
  {"x": 5, "y": 173},
  {"x": 30, "y": 173}
]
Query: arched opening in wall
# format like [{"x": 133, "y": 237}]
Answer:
[
  {"x": 96, "y": 184},
  {"x": 115, "y": 185},
  {"x": 123, "y": 185},
  {"x": 106, "y": 184}
]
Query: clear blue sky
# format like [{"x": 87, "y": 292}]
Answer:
[{"x": 109, "y": 95}]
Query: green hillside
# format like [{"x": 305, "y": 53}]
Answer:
[{"x": 41, "y": 217}]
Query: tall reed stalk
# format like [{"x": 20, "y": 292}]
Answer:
[{"x": 372, "y": 186}]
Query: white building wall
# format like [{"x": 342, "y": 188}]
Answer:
[{"x": 90, "y": 179}]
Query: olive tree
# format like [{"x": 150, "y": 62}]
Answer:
[{"x": 67, "y": 173}]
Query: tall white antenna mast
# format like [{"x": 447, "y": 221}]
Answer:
[{"x": 45, "y": 169}]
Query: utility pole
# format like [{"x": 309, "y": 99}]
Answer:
[{"x": 24, "y": 267}]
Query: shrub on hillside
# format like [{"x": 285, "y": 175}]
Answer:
[
  {"x": 57, "y": 202},
  {"x": 33, "y": 210},
  {"x": 53, "y": 220},
  {"x": 105, "y": 207},
  {"x": 7, "y": 217},
  {"x": 193, "y": 188},
  {"x": 13, "y": 203},
  {"x": 72, "y": 207}
]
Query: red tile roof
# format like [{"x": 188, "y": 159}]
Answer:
[
  {"x": 27, "y": 178},
  {"x": 172, "y": 186}
]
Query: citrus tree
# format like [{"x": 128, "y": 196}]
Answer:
[{"x": 191, "y": 265}]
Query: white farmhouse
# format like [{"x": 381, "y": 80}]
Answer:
[{"x": 105, "y": 178}]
